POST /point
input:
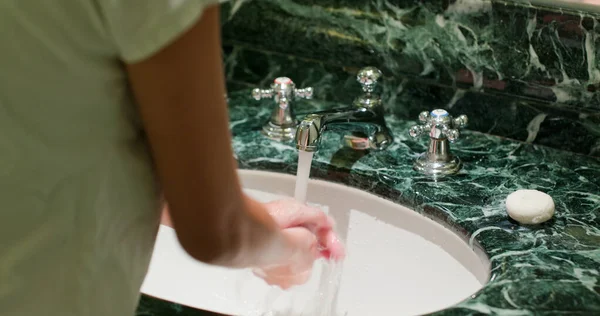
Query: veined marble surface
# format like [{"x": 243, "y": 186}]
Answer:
[
  {"x": 558, "y": 126},
  {"x": 546, "y": 53},
  {"x": 582, "y": 5},
  {"x": 549, "y": 269},
  {"x": 522, "y": 71}
]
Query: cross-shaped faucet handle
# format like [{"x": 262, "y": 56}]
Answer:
[
  {"x": 441, "y": 128},
  {"x": 440, "y": 125},
  {"x": 283, "y": 122},
  {"x": 282, "y": 87}
]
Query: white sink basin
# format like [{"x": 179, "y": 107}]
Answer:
[{"x": 398, "y": 263}]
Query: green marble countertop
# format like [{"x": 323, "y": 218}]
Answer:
[{"x": 549, "y": 269}]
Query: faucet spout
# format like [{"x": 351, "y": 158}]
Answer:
[
  {"x": 364, "y": 122},
  {"x": 369, "y": 122}
]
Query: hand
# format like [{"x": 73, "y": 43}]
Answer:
[
  {"x": 310, "y": 232},
  {"x": 289, "y": 213},
  {"x": 297, "y": 268}
]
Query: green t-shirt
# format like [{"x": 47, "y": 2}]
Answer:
[{"x": 79, "y": 200}]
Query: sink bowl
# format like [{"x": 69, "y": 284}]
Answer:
[{"x": 398, "y": 262}]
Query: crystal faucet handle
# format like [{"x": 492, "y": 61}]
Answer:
[
  {"x": 282, "y": 87},
  {"x": 282, "y": 126},
  {"x": 306, "y": 93},
  {"x": 368, "y": 78},
  {"x": 442, "y": 129},
  {"x": 259, "y": 94},
  {"x": 440, "y": 125}
]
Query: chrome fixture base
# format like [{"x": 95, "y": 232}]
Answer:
[
  {"x": 434, "y": 168},
  {"x": 280, "y": 133},
  {"x": 442, "y": 130}
]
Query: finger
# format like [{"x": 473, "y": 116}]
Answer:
[
  {"x": 287, "y": 281},
  {"x": 283, "y": 211},
  {"x": 312, "y": 219},
  {"x": 281, "y": 275},
  {"x": 306, "y": 242},
  {"x": 290, "y": 213},
  {"x": 330, "y": 246},
  {"x": 335, "y": 247}
]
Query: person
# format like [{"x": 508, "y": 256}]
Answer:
[{"x": 109, "y": 110}]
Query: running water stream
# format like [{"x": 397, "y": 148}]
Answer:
[
  {"x": 304, "y": 163},
  {"x": 322, "y": 298},
  {"x": 323, "y": 302}
]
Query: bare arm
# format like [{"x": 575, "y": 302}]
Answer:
[{"x": 180, "y": 93}]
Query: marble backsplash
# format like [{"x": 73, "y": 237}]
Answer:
[{"x": 520, "y": 71}]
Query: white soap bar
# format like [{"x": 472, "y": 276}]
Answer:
[{"x": 530, "y": 206}]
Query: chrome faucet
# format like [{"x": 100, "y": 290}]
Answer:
[
  {"x": 283, "y": 122},
  {"x": 364, "y": 120},
  {"x": 442, "y": 130}
]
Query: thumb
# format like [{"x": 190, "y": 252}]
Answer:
[
  {"x": 312, "y": 219},
  {"x": 304, "y": 242}
]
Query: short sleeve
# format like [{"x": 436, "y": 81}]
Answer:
[{"x": 140, "y": 28}]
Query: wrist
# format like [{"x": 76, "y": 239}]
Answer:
[{"x": 276, "y": 252}]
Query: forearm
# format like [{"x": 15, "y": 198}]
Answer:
[
  {"x": 180, "y": 95},
  {"x": 257, "y": 242}
]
